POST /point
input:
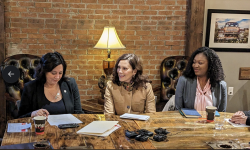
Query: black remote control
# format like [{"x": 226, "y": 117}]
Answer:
[{"x": 71, "y": 125}]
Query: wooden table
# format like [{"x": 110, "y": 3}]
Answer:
[
  {"x": 68, "y": 137},
  {"x": 190, "y": 133},
  {"x": 185, "y": 133}
]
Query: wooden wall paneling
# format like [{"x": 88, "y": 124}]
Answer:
[
  {"x": 2, "y": 86},
  {"x": 195, "y": 20}
]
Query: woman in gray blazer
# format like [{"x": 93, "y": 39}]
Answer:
[{"x": 202, "y": 82}]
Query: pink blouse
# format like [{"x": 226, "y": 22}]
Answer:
[{"x": 203, "y": 97}]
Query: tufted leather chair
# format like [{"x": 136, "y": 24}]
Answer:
[
  {"x": 171, "y": 69},
  {"x": 26, "y": 64}
]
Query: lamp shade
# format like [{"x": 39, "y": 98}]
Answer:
[{"x": 109, "y": 39}]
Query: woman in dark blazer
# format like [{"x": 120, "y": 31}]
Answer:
[
  {"x": 202, "y": 83},
  {"x": 51, "y": 92}
]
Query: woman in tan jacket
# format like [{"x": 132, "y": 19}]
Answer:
[{"x": 129, "y": 91}]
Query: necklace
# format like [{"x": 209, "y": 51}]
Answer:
[
  {"x": 127, "y": 86},
  {"x": 57, "y": 94}
]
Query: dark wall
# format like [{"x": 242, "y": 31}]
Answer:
[{"x": 2, "y": 87}]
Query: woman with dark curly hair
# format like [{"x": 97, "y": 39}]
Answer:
[
  {"x": 129, "y": 91},
  {"x": 51, "y": 92},
  {"x": 202, "y": 82}
]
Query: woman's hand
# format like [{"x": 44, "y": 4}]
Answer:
[
  {"x": 239, "y": 113},
  {"x": 40, "y": 112},
  {"x": 239, "y": 118}
]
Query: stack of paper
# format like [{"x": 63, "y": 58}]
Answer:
[
  {"x": 18, "y": 127},
  {"x": 100, "y": 128},
  {"x": 133, "y": 116},
  {"x": 62, "y": 119}
]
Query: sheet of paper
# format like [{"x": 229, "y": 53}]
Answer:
[
  {"x": 98, "y": 127},
  {"x": 133, "y": 116},
  {"x": 117, "y": 126},
  {"x": 18, "y": 127},
  {"x": 62, "y": 119},
  {"x": 236, "y": 125}
]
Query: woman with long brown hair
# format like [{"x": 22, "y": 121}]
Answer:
[{"x": 130, "y": 91}]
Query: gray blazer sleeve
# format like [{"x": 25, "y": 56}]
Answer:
[
  {"x": 247, "y": 113},
  {"x": 179, "y": 93},
  {"x": 223, "y": 101}
]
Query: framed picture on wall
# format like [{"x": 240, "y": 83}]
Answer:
[{"x": 228, "y": 30}]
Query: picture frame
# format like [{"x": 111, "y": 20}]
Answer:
[
  {"x": 228, "y": 30},
  {"x": 244, "y": 73}
]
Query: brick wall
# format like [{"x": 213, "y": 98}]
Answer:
[{"x": 152, "y": 29}]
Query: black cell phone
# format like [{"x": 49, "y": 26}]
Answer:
[{"x": 71, "y": 125}]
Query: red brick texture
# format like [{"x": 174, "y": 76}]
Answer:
[{"x": 152, "y": 29}]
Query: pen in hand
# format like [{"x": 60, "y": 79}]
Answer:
[
  {"x": 45, "y": 113},
  {"x": 234, "y": 122}
]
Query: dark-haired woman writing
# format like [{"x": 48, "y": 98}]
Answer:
[
  {"x": 51, "y": 92},
  {"x": 202, "y": 82},
  {"x": 129, "y": 91}
]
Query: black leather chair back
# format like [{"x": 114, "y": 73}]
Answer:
[
  {"x": 26, "y": 64},
  {"x": 171, "y": 69}
]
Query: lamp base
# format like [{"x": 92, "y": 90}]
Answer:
[{"x": 108, "y": 66}]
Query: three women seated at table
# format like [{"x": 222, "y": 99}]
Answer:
[
  {"x": 129, "y": 91},
  {"x": 202, "y": 83},
  {"x": 51, "y": 92}
]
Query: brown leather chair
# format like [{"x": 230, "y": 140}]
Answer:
[
  {"x": 171, "y": 69},
  {"x": 26, "y": 64}
]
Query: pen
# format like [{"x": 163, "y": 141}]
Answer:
[
  {"x": 181, "y": 113},
  {"x": 45, "y": 114},
  {"x": 235, "y": 123}
]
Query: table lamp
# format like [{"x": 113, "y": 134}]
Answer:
[{"x": 109, "y": 40}]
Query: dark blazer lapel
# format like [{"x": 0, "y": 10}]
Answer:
[
  {"x": 66, "y": 96},
  {"x": 41, "y": 100}
]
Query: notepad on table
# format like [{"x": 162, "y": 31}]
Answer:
[
  {"x": 18, "y": 127},
  {"x": 133, "y": 116},
  {"x": 100, "y": 128},
  {"x": 217, "y": 114},
  {"x": 190, "y": 113}
]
